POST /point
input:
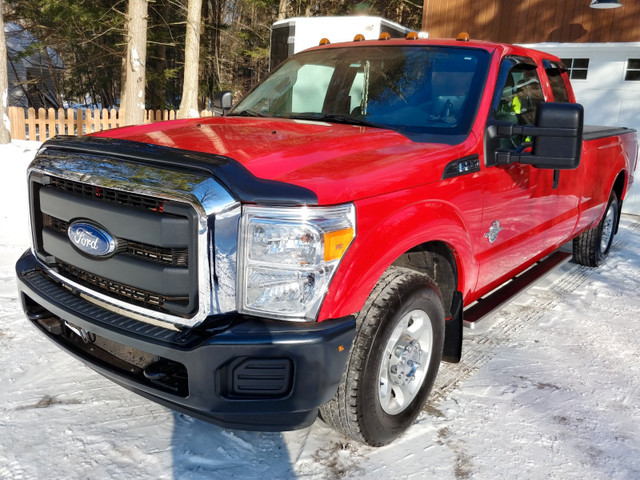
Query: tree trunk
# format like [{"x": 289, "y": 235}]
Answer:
[
  {"x": 189, "y": 102},
  {"x": 157, "y": 57},
  {"x": 282, "y": 9},
  {"x": 217, "y": 50},
  {"x": 5, "y": 127},
  {"x": 132, "y": 99}
]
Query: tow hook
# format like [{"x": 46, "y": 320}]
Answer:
[
  {"x": 45, "y": 319},
  {"x": 87, "y": 337}
]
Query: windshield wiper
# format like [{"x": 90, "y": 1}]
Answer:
[
  {"x": 333, "y": 118},
  {"x": 246, "y": 113}
]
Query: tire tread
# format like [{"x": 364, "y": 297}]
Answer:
[
  {"x": 586, "y": 247},
  {"x": 341, "y": 412}
]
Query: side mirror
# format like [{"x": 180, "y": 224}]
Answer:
[
  {"x": 557, "y": 138},
  {"x": 222, "y": 102}
]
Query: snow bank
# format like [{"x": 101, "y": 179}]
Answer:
[{"x": 14, "y": 159}]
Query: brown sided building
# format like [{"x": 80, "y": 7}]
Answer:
[{"x": 532, "y": 21}]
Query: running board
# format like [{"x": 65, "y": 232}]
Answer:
[{"x": 507, "y": 292}]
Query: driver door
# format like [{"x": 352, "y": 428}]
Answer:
[{"x": 519, "y": 201}]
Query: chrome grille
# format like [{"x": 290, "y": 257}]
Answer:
[
  {"x": 108, "y": 194},
  {"x": 163, "y": 219}
]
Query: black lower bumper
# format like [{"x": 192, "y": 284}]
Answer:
[{"x": 249, "y": 373}]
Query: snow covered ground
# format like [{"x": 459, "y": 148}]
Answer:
[{"x": 549, "y": 387}]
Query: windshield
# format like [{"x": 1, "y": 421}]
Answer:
[{"x": 419, "y": 89}]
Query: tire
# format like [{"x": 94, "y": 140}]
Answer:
[
  {"x": 592, "y": 246},
  {"x": 393, "y": 361}
]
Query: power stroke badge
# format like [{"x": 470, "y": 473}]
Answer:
[
  {"x": 91, "y": 239},
  {"x": 493, "y": 232}
]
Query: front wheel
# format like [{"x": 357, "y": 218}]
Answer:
[
  {"x": 393, "y": 361},
  {"x": 593, "y": 245}
]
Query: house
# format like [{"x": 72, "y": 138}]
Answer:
[{"x": 31, "y": 71}]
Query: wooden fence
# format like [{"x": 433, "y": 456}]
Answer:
[{"x": 41, "y": 124}]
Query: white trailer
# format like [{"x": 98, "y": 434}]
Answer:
[{"x": 293, "y": 35}]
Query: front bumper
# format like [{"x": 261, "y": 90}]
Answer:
[{"x": 245, "y": 372}]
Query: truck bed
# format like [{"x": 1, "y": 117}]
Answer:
[{"x": 593, "y": 132}]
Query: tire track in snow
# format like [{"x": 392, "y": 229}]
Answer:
[
  {"x": 479, "y": 347},
  {"x": 13, "y": 471}
]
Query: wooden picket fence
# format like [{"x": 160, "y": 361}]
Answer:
[{"x": 41, "y": 124}]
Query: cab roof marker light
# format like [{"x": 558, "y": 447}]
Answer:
[
  {"x": 384, "y": 36},
  {"x": 463, "y": 37},
  {"x": 324, "y": 41},
  {"x": 359, "y": 38},
  {"x": 412, "y": 36}
]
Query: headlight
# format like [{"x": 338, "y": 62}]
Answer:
[{"x": 288, "y": 256}]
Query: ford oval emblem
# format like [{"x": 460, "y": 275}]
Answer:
[{"x": 91, "y": 239}]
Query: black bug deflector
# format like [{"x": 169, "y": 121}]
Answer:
[{"x": 239, "y": 181}]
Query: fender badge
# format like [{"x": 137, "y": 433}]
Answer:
[{"x": 494, "y": 230}]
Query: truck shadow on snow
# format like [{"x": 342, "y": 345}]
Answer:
[{"x": 205, "y": 451}]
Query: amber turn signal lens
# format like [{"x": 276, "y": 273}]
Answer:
[{"x": 336, "y": 243}]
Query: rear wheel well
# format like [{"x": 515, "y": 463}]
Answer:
[
  {"x": 618, "y": 185},
  {"x": 618, "y": 188},
  {"x": 436, "y": 260}
]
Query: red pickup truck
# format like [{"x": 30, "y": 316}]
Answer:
[{"x": 315, "y": 248}]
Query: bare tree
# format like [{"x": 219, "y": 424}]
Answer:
[
  {"x": 132, "y": 99},
  {"x": 282, "y": 9},
  {"x": 189, "y": 102},
  {"x": 5, "y": 131}
]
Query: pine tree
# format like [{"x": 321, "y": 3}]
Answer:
[{"x": 88, "y": 38}]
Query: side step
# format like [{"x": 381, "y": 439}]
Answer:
[{"x": 507, "y": 292}]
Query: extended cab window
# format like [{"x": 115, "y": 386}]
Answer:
[
  {"x": 556, "y": 74},
  {"x": 423, "y": 89}
]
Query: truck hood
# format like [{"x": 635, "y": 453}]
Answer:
[{"x": 337, "y": 162}]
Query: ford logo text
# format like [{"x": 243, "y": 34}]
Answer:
[{"x": 91, "y": 239}]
